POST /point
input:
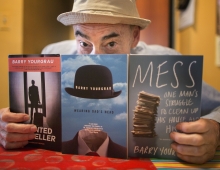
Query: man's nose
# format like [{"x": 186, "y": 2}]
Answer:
[{"x": 96, "y": 50}]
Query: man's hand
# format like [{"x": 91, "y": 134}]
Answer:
[
  {"x": 13, "y": 134},
  {"x": 198, "y": 142}
]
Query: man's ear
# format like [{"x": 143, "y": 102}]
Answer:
[{"x": 136, "y": 36}]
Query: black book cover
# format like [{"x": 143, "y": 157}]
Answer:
[
  {"x": 163, "y": 91},
  {"x": 34, "y": 89}
]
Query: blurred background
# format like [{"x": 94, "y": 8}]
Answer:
[{"x": 27, "y": 26}]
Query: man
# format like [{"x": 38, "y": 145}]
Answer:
[{"x": 104, "y": 26}]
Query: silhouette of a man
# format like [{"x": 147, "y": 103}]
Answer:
[{"x": 34, "y": 98}]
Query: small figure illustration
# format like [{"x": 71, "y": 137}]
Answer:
[{"x": 34, "y": 98}]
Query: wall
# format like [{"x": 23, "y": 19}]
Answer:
[
  {"x": 26, "y": 26},
  {"x": 200, "y": 39},
  {"x": 158, "y": 12},
  {"x": 11, "y": 38},
  {"x": 41, "y": 26}
]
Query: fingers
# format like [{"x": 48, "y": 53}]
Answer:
[
  {"x": 16, "y": 135},
  {"x": 187, "y": 139},
  {"x": 12, "y": 137},
  {"x": 13, "y": 134},
  {"x": 14, "y": 140},
  {"x": 7, "y": 116},
  {"x": 189, "y": 150},
  {"x": 196, "y": 159},
  {"x": 199, "y": 126},
  {"x": 198, "y": 142},
  {"x": 18, "y": 128},
  {"x": 12, "y": 145},
  {"x": 194, "y": 154},
  {"x": 197, "y": 133}
]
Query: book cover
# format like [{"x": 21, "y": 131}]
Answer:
[
  {"x": 163, "y": 91},
  {"x": 34, "y": 89},
  {"x": 94, "y": 105}
]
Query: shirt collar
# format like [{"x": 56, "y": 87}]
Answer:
[{"x": 83, "y": 148}]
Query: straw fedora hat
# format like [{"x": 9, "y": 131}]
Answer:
[
  {"x": 93, "y": 82},
  {"x": 103, "y": 11}
]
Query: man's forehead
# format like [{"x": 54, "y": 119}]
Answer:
[
  {"x": 103, "y": 31},
  {"x": 99, "y": 26}
]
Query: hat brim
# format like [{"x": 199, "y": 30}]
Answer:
[
  {"x": 91, "y": 94},
  {"x": 72, "y": 18}
]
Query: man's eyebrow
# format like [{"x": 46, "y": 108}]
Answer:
[
  {"x": 112, "y": 35},
  {"x": 81, "y": 34}
]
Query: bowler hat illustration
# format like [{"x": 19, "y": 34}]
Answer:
[{"x": 93, "y": 82}]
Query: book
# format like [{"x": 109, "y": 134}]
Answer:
[
  {"x": 162, "y": 91},
  {"x": 113, "y": 105},
  {"x": 94, "y": 105},
  {"x": 150, "y": 95},
  {"x": 34, "y": 89}
]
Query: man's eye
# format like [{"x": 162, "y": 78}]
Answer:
[
  {"x": 83, "y": 44},
  {"x": 111, "y": 44}
]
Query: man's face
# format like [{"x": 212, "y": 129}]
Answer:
[{"x": 105, "y": 38}]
